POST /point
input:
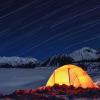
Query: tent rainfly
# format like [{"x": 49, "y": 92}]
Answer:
[{"x": 71, "y": 75}]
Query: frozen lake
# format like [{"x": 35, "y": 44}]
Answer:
[{"x": 12, "y": 79}]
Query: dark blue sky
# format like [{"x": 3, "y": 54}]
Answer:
[{"x": 42, "y": 28}]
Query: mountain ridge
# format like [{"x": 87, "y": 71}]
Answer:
[{"x": 81, "y": 55}]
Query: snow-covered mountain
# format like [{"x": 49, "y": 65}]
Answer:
[
  {"x": 16, "y": 61},
  {"x": 85, "y": 53}
]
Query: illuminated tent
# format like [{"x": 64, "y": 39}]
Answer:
[{"x": 71, "y": 75}]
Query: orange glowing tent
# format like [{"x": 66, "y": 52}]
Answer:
[{"x": 71, "y": 75}]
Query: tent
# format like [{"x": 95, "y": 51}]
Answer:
[{"x": 71, "y": 75}]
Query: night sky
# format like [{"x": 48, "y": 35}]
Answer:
[{"x": 42, "y": 28}]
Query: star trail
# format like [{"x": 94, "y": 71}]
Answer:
[{"x": 42, "y": 28}]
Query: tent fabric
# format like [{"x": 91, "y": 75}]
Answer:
[{"x": 71, "y": 75}]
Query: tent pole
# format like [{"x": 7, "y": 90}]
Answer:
[
  {"x": 54, "y": 76},
  {"x": 69, "y": 75}
]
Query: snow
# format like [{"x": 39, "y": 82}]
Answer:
[
  {"x": 17, "y": 60},
  {"x": 86, "y": 53},
  {"x": 12, "y": 79}
]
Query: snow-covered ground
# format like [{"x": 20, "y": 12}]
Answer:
[{"x": 12, "y": 79}]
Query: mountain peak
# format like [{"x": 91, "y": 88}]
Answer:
[
  {"x": 15, "y": 60},
  {"x": 86, "y": 53}
]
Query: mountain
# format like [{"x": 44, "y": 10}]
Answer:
[
  {"x": 57, "y": 60},
  {"x": 18, "y": 62},
  {"x": 83, "y": 54}
]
